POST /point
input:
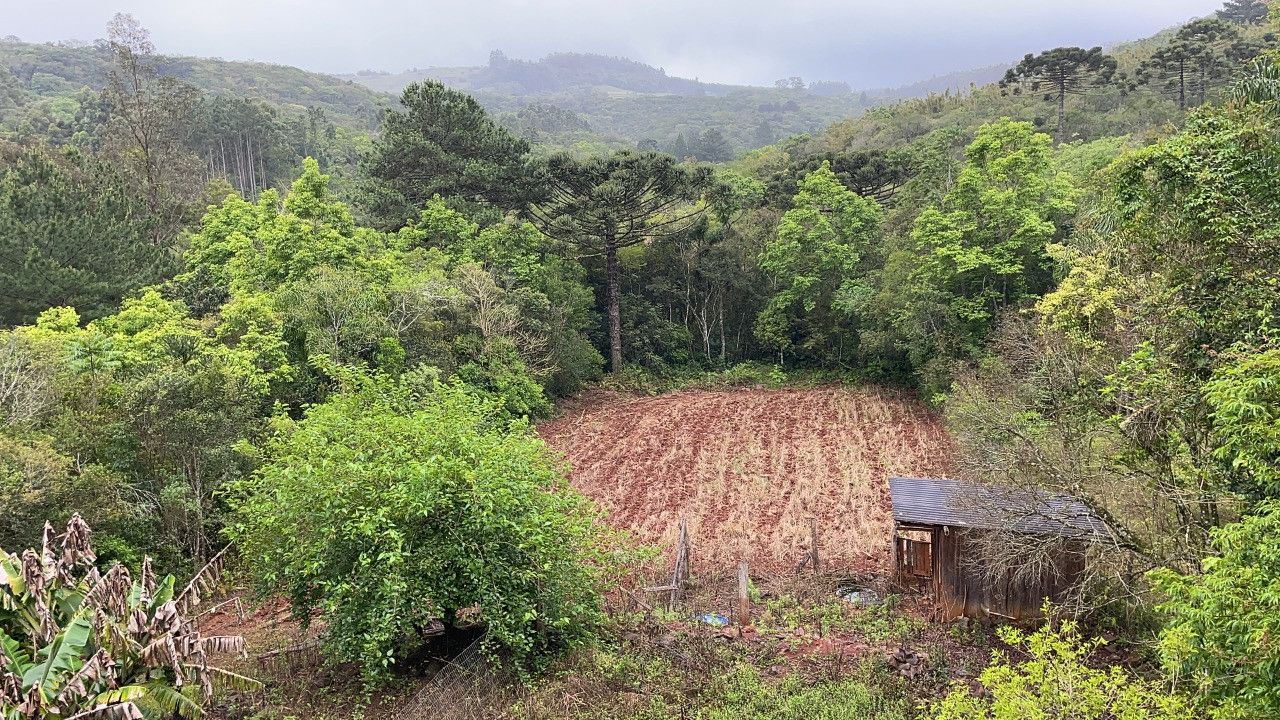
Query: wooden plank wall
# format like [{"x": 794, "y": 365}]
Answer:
[{"x": 963, "y": 593}]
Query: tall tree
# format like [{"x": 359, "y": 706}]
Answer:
[
  {"x": 605, "y": 204},
  {"x": 873, "y": 174},
  {"x": 764, "y": 134},
  {"x": 1244, "y": 12},
  {"x": 815, "y": 260},
  {"x": 72, "y": 233},
  {"x": 246, "y": 143},
  {"x": 1061, "y": 72},
  {"x": 680, "y": 147},
  {"x": 1194, "y": 60},
  {"x": 442, "y": 142},
  {"x": 712, "y": 146},
  {"x": 982, "y": 249},
  {"x": 151, "y": 119}
]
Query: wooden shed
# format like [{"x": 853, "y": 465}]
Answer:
[{"x": 944, "y": 530}]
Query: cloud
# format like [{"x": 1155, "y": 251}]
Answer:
[{"x": 868, "y": 44}]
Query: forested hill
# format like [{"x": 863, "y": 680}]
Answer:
[
  {"x": 591, "y": 100},
  {"x": 39, "y": 83},
  {"x": 956, "y": 81},
  {"x": 554, "y": 73}
]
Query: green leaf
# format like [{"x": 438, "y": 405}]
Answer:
[{"x": 60, "y": 658}]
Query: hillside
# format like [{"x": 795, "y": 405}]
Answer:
[
  {"x": 623, "y": 102},
  {"x": 34, "y": 74},
  {"x": 554, "y": 73},
  {"x": 310, "y": 410},
  {"x": 957, "y": 81}
]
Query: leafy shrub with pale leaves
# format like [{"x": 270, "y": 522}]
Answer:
[
  {"x": 1057, "y": 683},
  {"x": 1219, "y": 640}
]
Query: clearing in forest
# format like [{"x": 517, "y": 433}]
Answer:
[{"x": 749, "y": 467}]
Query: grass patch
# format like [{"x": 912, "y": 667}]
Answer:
[{"x": 748, "y": 695}]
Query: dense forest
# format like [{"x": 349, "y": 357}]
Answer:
[{"x": 258, "y": 322}]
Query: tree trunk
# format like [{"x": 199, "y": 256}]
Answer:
[
  {"x": 612, "y": 282},
  {"x": 1062, "y": 109},
  {"x": 1182, "y": 87},
  {"x": 722, "y": 350}
]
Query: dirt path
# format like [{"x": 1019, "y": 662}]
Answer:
[{"x": 748, "y": 467}]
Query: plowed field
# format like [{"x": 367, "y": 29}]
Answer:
[{"x": 748, "y": 468}]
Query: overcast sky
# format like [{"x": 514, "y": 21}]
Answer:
[{"x": 869, "y": 43}]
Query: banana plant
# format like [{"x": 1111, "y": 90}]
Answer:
[{"x": 79, "y": 643}]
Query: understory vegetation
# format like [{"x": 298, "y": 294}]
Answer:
[{"x": 230, "y": 320}]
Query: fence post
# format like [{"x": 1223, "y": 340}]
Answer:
[
  {"x": 744, "y": 596},
  {"x": 681, "y": 571},
  {"x": 813, "y": 542}
]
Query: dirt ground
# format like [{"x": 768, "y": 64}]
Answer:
[{"x": 748, "y": 468}]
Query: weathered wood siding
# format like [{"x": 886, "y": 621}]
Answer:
[{"x": 961, "y": 592}]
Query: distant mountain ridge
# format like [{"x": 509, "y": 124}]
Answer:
[
  {"x": 568, "y": 71},
  {"x": 625, "y": 102},
  {"x": 557, "y": 72},
  {"x": 581, "y": 101},
  {"x": 958, "y": 81}
]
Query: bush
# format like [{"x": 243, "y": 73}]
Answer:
[
  {"x": 1222, "y": 626},
  {"x": 499, "y": 372},
  {"x": 1056, "y": 683},
  {"x": 751, "y": 374},
  {"x": 399, "y": 503}
]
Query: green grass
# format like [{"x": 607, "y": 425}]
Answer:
[{"x": 748, "y": 695}]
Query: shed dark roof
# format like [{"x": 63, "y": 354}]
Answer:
[{"x": 957, "y": 503}]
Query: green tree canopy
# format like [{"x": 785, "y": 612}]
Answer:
[
  {"x": 815, "y": 262},
  {"x": 1244, "y": 12},
  {"x": 983, "y": 248},
  {"x": 441, "y": 142},
  {"x": 1061, "y": 72},
  {"x": 1195, "y": 60},
  {"x": 1219, "y": 639},
  {"x": 71, "y": 233},
  {"x": 605, "y": 204}
]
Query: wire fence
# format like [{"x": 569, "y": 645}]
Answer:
[{"x": 468, "y": 687}]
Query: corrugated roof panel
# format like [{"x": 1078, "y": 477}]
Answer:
[{"x": 936, "y": 501}]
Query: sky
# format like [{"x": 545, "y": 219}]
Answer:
[{"x": 867, "y": 43}]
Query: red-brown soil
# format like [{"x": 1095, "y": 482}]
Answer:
[{"x": 749, "y": 467}]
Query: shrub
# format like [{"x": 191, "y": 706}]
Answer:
[
  {"x": 1056, "y": 683},
  {"x": 397, "y": 504},
  {"x": 1222, "y": 626},
  {"x": 499, "y": 372}
]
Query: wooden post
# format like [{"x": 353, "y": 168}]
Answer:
[
  {"x": 681, "y": 571},
  {"x": 813, "y": 542},
  {"x": 895, "y": 557},
  {"x": 744, "y": 595}
]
